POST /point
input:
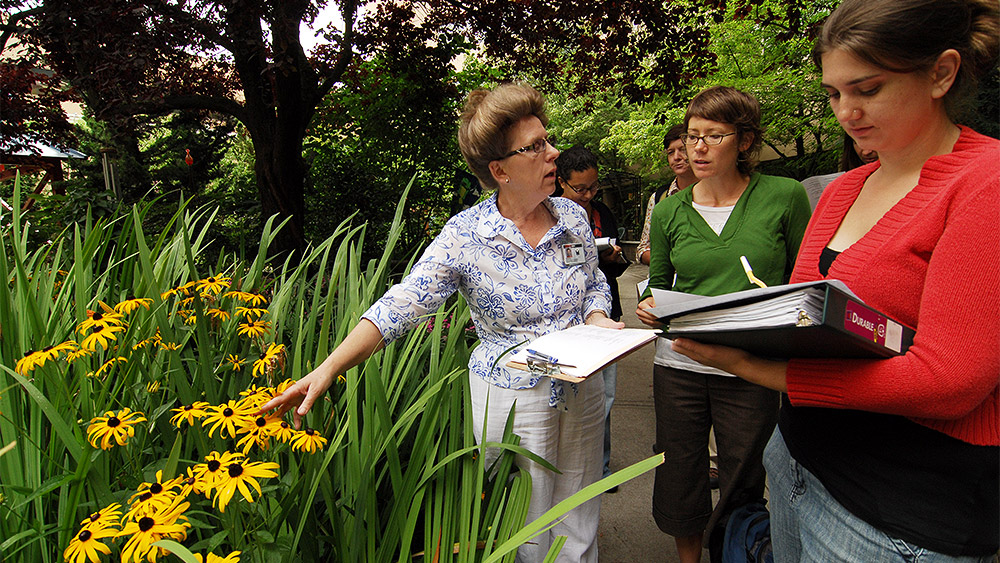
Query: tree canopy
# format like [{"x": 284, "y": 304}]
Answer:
[{"x": 244, "y": 59}]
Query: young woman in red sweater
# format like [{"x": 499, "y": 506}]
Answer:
[{"x": 897, "y": 459}]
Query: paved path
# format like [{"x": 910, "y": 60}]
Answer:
[{"x": 627, "y": 533}]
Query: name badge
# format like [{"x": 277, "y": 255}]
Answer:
[{"x": 573, "y": 253}]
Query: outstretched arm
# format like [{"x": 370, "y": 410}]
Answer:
[{"x": 363, "y": 341}]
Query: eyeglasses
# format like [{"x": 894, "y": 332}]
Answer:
[
  {"x": 711, "y": 140},
  {"x": 595, "y": 187},
  {"x": 537, "y": 147}
]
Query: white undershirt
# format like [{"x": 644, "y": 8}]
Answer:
[{"x": 716, "y": 217}]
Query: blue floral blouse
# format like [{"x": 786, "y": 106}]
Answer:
[{"x": 515, "y": 293}]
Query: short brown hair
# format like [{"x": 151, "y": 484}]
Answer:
[
  {"x": 909, "y": 35},
  {"x": 729, "y": 105},
  {"x": 486, "y": 122}
]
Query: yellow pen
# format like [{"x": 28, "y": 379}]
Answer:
[{"x": 746, "y": 268}]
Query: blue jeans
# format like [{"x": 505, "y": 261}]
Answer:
[
  {"x": 807, "y": 524},
  {"x": 610, "y": 381}
]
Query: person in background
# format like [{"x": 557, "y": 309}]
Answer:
[
  {"x": 897, "y": 459},
  {"x": 507, "y": 256},
  {"x": 578, "y": 177},
  {"x": 698, "y": 237},
  {"x": 851, "y": 157},
  {"x": 683, "y": 177}
]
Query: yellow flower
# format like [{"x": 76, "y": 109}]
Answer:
[
  {"x": 228, "y": 415},
  {"x": 117, "y": 426},
  {"x": 153, "y": 386},
  {"x": 106, "y": 366},
  {"x": 167, "y": 521},
  {"x": 253, "y": 328},
  {"x": 101, "y": 335},
  {"x": 284, "y": 432},
  {"x": 308, "y": 440},
  {"x": 106, "y": 517},
  {"x": 213, "y": 285},
  {"x": 258, "y": 431},
  {"x": 237, "y": 476},
  {"x": 169, "y": 345},
  {"x": 154, "y": 340},
  {"x": 218, "y": 314},
  {"x": 87, "y": 543},
  {"x": 189, "y": 413},
  {"x": 195, "y": 482},
  {"x": 213, "y": 468},
  {"x": 273, "y": 358},
  {"x": 99, "y": 319},
  {"x": 213, "y": 558},
  {"x": 126, "y": 307},
  {"x": 31, "y": 360},
  {"x": 235, "y": 361},
  {"x": 254, "y": 397},
  {"x": 151, "y": 496},
  {"x": 250, "y": 312},
  {"x": 77, "y": 354},
  {"x": 253, "y": 299},
  {"x": 284, "y": 385}
]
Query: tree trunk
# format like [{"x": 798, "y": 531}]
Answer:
[{"x": 281, "y": 174}]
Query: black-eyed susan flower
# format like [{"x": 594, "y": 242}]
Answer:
[
  {"x": 254, "y": 397},
  {"x": 284, "y": 431},
  {"x": 213, "y": 285},
  {"x": 235, "y": 362},
  {"x": 109, "y": 516},
  {"x": 270, "y": 360},
  {"x": 250, "y": 313},
  {"x": 253, "y": 329},
  {"x": 87, "y": 544},
  {"x": 164, "y": 345},
  {"x": 107, "y": 366},
  {"x": 308, "y": 440},
  {"x": 167, "y": 522},
  {"x": 77, "y": 354},
  {"x": 31, "y": 360},
  {"x": 153, "y": 386},
  {"x": 241, "y": 476},
  {"x": 113, "y": 426},
  {"x": 100, "y": 319},
  {"x": 254, "y": 299},
  {"x": 258, "y": 432},
  {"x": 189, "y": 413},
  {"x": 229, "y": 416},
  {"x": 101, "y": 336},
  {"x": 195, "y": 482},
  {"x": 283, "y": 386},
  {"x": 126, "y": 307},
  {"x": 151, "y": 496},
  {"x": 218, "y": 314},
  {"x": 215, "y": 464},
  {"x": 233, "y": 557}
]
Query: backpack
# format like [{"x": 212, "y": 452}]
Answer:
[{"x": 748, "y": 535}]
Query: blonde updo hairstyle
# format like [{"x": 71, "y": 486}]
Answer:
[
  {"x": 486, "y": 122},
  {"x": 909, "y": 35},
  {"x": 735, "y": 107}
]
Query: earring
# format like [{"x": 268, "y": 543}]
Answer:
[{"x": 507, "y": 180}]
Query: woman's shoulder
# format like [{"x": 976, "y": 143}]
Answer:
[{"x": 780, "y": 183}]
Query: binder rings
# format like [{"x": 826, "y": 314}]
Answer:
[
  {"x": 808, "y": 320},
  {"x": 575, "y": 353}
]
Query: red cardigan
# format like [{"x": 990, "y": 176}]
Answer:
[{"x": 932, "y": 262}]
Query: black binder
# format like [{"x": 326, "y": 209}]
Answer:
[{"x": 846, "y": 327}]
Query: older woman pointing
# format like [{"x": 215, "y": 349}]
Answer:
[{"x": 526, "y": 265}]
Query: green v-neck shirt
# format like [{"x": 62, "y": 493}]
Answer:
[{"x": 766, "y": 226}]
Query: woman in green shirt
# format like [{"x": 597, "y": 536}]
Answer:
[{"x": 697, "y": 238}]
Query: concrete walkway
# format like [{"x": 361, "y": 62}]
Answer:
[{"x": 627, "y": 532}]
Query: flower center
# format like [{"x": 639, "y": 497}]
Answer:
[
  {"x": 188, "y": 407},
  {"x": 228, "y": 412},
  {"x": 98, "y": 316},
  {"x": 310, "y": 431},
  {"x": 114, "y": 422},
  {"x": 85, "y": 535},
  {"x": 95, "y": 516},
  {"x": 146, "y": 523},
  {"x": 235, "y": 470},
  {"x": 213, "y": 465},
  {"x": 156, "y": 488},
  {"x": 261, "y": 421},
  {"x": 145, "y": 496},
  {"x": 284, "y": 425},
  {"x": 47, "y": 348},
  {"x": 211, "y": 280}
]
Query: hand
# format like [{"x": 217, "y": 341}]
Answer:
[
  {"x": 645, "y": 316},
  {"x": 611, "y": 255},
  {"x": 766, "y": 373},
  {"x": 600, "y": 319},
  {"x": 644, "y": 257},
  {"x": 303, "y": 394}
]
